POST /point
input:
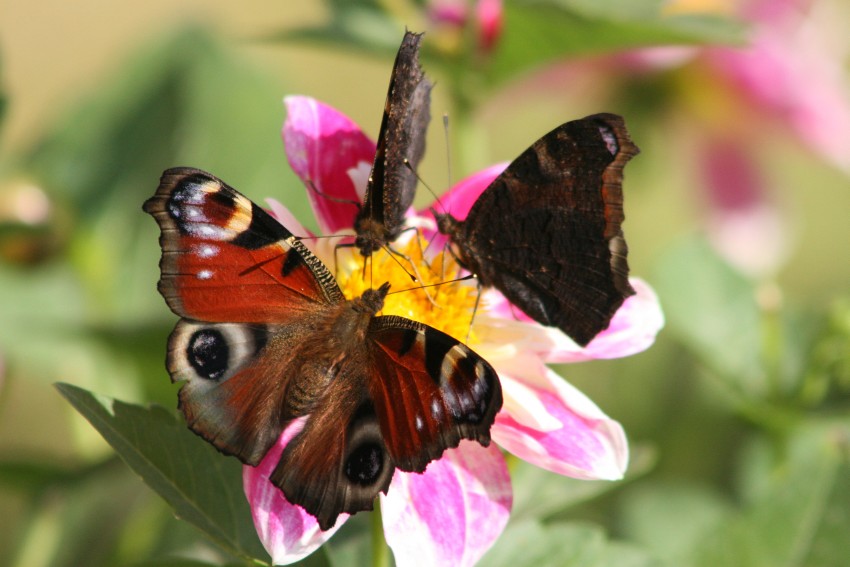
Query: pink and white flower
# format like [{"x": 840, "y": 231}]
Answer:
[{"x": 453, "y": 512}]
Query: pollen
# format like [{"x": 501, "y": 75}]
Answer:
[{"x": 437, "y": 296}]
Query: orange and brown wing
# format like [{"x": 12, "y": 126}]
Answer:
[{"x": 224, "y": 259}]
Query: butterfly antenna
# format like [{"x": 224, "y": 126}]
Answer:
[
  {"x": 460, "y": 279},
  {"x": 448, "y": 149},
  {"x": 424, "y": 184},
  {"x": 324, "y": 195},
  {"x": 474, "y": 310},
  {"x": 393, "y": 253},
  {"x": 416, "y": 276}
]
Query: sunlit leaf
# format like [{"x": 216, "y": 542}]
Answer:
[{"x": 203, "y": 486}]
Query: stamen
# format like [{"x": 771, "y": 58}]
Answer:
[{"x": 453, "y": 301}]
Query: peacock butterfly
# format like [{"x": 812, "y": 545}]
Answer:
[
  {"x": 266, "y": 336},
  {"x": 546, "y": 232},
  {"x": 401, "y": 144}
]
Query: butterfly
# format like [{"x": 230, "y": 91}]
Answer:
[
  {"x": 546, "y": 232},
  {"x": 401, "y": 144},
  {"x": 266, "y": 336}
]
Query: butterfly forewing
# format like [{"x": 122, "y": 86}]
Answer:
[
  {"x": 401, "y": 145},
  {"x": 224, "y": 259},
  {"x": 434, "y": 391}
]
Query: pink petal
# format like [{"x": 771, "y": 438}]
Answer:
[
  {"x": 287, "y": 531},
  {"x": 330, "y": 153},
  {"x": 282, "y": 215},
  {"x": 744, "y": 226},
  {"x": 453, "y": 512},
  {"x": 587, "y": 445},
  {"x": 794, "y": 69},
  {"x": 632, "y": 330},
  {"x": 490, "y": 15}
]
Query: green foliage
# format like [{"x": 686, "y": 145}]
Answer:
[{"x": 203, "y": 487}]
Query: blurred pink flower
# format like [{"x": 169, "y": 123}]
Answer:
[
  {"x": 453, "y": 512},
  {"x": 453, "y": 16},
  {"x": 793, "y": 69},
  {"x": 743, "y": 223}
]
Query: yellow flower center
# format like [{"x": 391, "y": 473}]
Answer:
[{"x": 435, "y": 298}]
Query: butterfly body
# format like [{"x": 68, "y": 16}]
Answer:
[
  {"x": 401, "y": 145},
  {"x": 266, "y": 337},
  {"x": 546, "y": 232}
]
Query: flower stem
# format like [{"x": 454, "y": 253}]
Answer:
[{"x": 380, "y": 550}]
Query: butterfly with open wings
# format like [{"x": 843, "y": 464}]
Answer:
[{"x": 266, "y": 336}]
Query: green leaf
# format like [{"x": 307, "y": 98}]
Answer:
[
  {"x": 798, "y": 514},
  {"x": 564, "y": 29},
  {"x": 541, "y": 494},
  {"x": 183, "y": 101},
  {"x": 712, "y": 309},
  {"x": 529, "y": 542},
  {"x": 203, "y": 486},
  {"x": 652, "y": 515},
  {"x": 183, "y": 563}
]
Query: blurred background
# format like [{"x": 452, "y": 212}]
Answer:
[{"x": 736, "y": 212}]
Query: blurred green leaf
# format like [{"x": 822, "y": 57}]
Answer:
[
  {"x": 186, "y": 101},
  {"x": 798, "y": 514},
  {"x": 712, "y": 309},
  {"x": 560, "y": 29},
  {"x": 184, "y": 563},
  {"x": 564, "y": 29},
  {"x": 203, "y": 486},
  {"x": 529, "y": 542},
  {"x": 350, "y": 546},
  {"x": 75, "y": 521},
  {"x": 542, "y": 494},
  {"x": 828, "y": 366},
  {"x": 652, "y": 515}
]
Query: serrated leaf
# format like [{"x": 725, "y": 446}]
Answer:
[{"x": 202, "y": 486}]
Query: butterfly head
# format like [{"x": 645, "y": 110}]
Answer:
[
  {"x": 446, "y": 223},
  {"x": 372, "y": 300},
  {"x": 371, "y": 235}
]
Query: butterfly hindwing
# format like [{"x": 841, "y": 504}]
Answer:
[
  {"x": 547, "y": 232},
  {"x": 401, "y": 145},
  {"x": 414, "y": 393},
  {"x": 431, "y": 391}
]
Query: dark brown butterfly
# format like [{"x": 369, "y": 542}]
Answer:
[
  {"x": 546, "y": 232},
  {"x": 401, "y": 144},
  {"x": 266, "y": 336}
]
